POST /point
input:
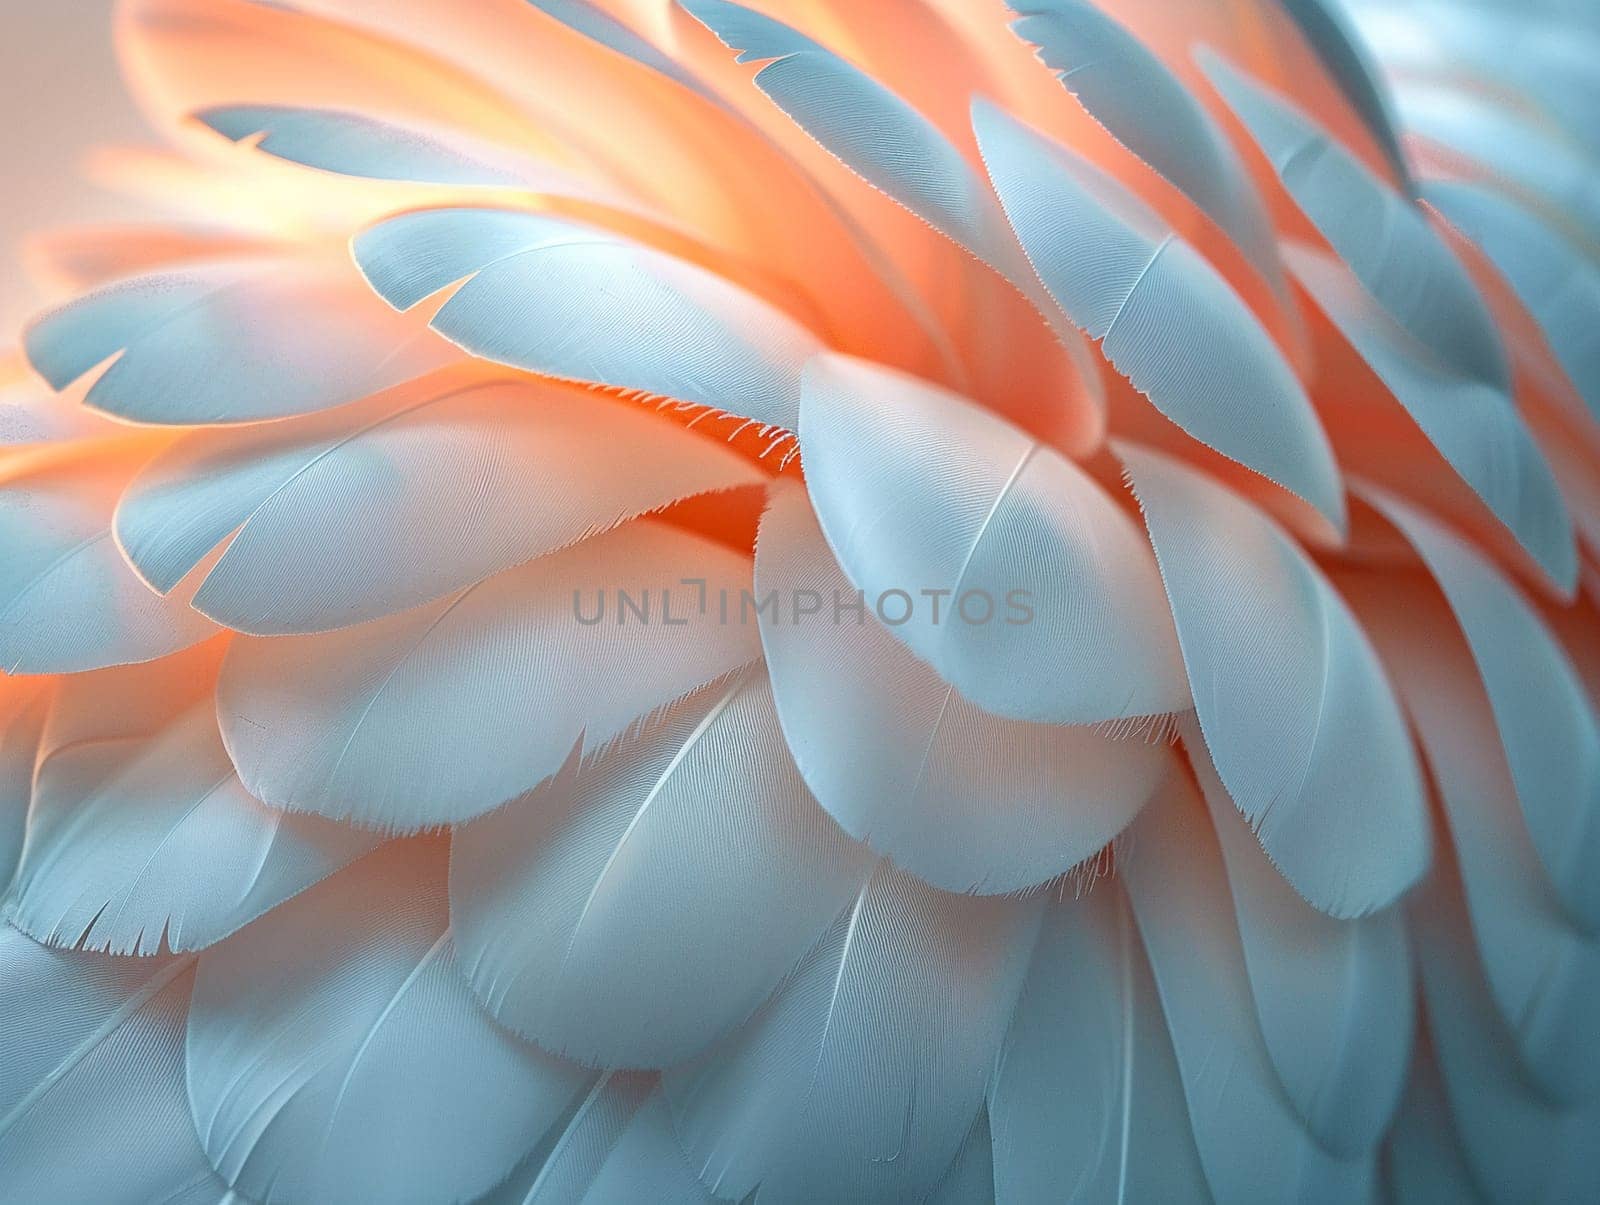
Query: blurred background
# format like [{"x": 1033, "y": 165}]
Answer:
[{"x": 60, "y": 93}]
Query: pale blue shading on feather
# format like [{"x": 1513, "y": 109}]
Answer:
[
  {"x": 1542, "y": 970},
  {"x": 347, "y": 516},
  {"x": 335, "y": 1053},
  {"x": 1253, "y": 1145},
  {"x": 1475, "y": 426},
  {"x": 919, "y": 489},
  {"x": 1299, "y": 718},
  {"x": 970, "y": 1179},
  {"x": 20, "y": 726},
  {"x": 648, "y": 1164},
  {"x": 1551, "y": 275},
  {"x": 1087, "y": 1106},
  {"x": 1423, "y": 1160},
  {"x": 1334, "y": 997},
  {"x": 441, "y": 713},
  {"x": 92, "y": 1105},
  {"x": 139, "y": 845},
  {"x": 643, "y": 904},
  {"x": 1380, "y": 234},
  {"x": 1546, "y": 721},
  {"x": 594, "y": 23},
  {"x": 229, "y": 341},
  {"x": 860, "y": 1080},
  {"x": 1147, "y": 109},
  {"x": 1163, "y": 315},
  {"x": 961, "y": 798},
  {"x": 578, "y": 302}
]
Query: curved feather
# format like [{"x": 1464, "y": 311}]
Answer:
[
  {"x": 1520, "y": 1145},
  {"x": 1475, "y": 427},
  {"x": 959, "y": 797},
  {"x": 648, "y": 1164},
  {"x": 362, "y": 512},
  {"x": 1298, "y": 717},
  {"x": 1086, "y": 1105},
  {"x": 1543, "y": 973},
  {"x": 443, "y": 712},
  {"x": 1325, "y": 27},
  {"x": 92, "y": 1104},
  {"x": 565, "y": 1165},
  {"x": 1423, "y": 1158},
  {"x": 335, "y": 1053},
  {"x": 637, "y": 908},
  {"x": 970, "y": 1179},
  {"x": 135, "y": 846},
  {"x": 22, "y": 715},
  {"x": 1383, "y": 237},
  {"x": 1253, "y": 1145},
  {"x": 68, "y": 600},
  {"x": 595, "y": 23},
  {"x": 567, "y": 300},
  {"x": 862, "y": 1077},
  {"x": 1147, "y": 109},
  {"x": 1334, "y": 997},
  {"x": 226, "y": 342},
  {"x": 1550, "y": 274},
  {"x": 1546, "y": 722},
  {"x": 919, "y": 490},
  {"x": 1164, "y": 317}
]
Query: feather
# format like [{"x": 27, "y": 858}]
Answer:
[
  {"x": 1475, "y": 427},
  {"x": 1546, "y": 722},
  {"x": 959, "y": 797},
  {"x": 970, "y": 1180},
  {"x": 22, "y": 713},
  {"x": 1325, "y": 26},
  {"x": 1086, "y": 1105},
  {"x": 1551, "y": 275},
  {"x": 566, "y": 1163},
  {"x": 637, "y": 908},
  {"x": 1164, "y": 317},
  {"x": 135, "y": 846},
  {"x": 919, "y": 490},
  {"x": 595, "y": 23},
  {"x": 1333, "y": 997},
  {"x": 567, "y": 300},
  {"x": 68, "y": 600},
  {"x": 335, "y": 1053},
  {"x": 1519, "y": 1145},
  {"x": 1252, "y": 1143},
  {"x": 1298, "y": 717},
  {"x": 365, "y": 511},
  {"x": 92, "y": 1106},
  {"x": 1424, "y": 1160},
  {"x": 647, "y": 1164},
  {"x": 860, "y": 1080},
  {"x": 1543, "y": 973},
  {"x": 226, "y": 342},
  {"x": 1148, "y": 110},
  {"x": 443, "y": 712},
  {"x": 1383, "y": 238}
]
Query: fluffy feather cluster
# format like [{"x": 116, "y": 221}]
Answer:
[{"x": 478, "y": 719}]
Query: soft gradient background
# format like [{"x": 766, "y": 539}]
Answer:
[{"x": 60, "y": 94}]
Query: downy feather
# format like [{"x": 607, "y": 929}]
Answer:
[
  {"x": 1163, "y": 315},
  {"x": 918, "y": 489},
  {"x": 1254, "y": 1146},
  {"x": 1380, "y": 234},
  {"x": 1475, "y": 426},
  {"x": 446, "y": 711},
  {"x": 335, "y": 1053},
  {"x": 92, "y": 1105},
  {"x": 139, "y": 845},
  {"x": 1542, "y": 972},
  {"x": 860, "y": 1080},
  {"x": 1147, "y": 109},
  {"x": 638, "y": 907},
  {"x": 68, "y": 600},
  {"x": 1087, "y": 1106},
  {"x": 1545, "y": 719},
  {"x": 959, "y": 797},
  {"x": 1334, "y": 997},
  {"x": 1296, "y": 712},
  {"x": 226, "y": 342},
  {"x": 348, "y": 516},
  {"x": 578, "y": 302}
]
